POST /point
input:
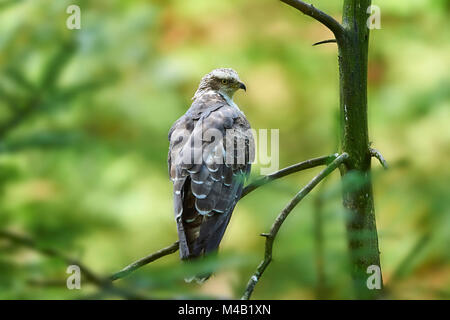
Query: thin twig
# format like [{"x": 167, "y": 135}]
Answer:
[
  {"x": 146, "y": 260},
  {"x": 270, "y": 238},
  {"x": 320, "y": 16},
  {"x": 27, "y": 111},
  {"x": 175, "y": 246},
  {"x": 377, "y": 154},
  {"x": 251, "y": 187},
  {"x": 29, "y": 243},
  {"x": 311, "y": 163},
  {"x": 103, "y": 284},
  {"x": 325, "y": 41}
]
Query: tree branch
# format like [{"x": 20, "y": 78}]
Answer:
[
  {"x": 320, "y": 16},
  {"x": 270, "y": 237},
  {"x": 146, "y": 260},
  {"x": 377, "y": 154},
  {"x": 31, "y": 106},
  {"x": 311, "y": 163},
  {"x": 29, "y": 243},
  {"x": 103, "y": 284}
]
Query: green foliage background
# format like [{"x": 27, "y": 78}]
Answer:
[{"x": 84, "y": 117}]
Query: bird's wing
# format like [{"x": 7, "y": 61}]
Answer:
[{"x": 219, "y": 148}]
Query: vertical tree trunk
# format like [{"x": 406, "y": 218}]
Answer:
[{"x": 357, "y": 200}]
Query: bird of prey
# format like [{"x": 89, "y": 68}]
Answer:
[{"x": 210, "y": 154}]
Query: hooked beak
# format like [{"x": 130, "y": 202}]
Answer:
[{"x": 242, "y": 86}]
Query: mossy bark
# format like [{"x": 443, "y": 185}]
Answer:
[{"x": 357, "y": 197}]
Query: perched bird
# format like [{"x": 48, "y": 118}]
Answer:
[{"x": 210, "y": 154}]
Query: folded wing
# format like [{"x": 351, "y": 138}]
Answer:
[{"x": 209, "y": 160}]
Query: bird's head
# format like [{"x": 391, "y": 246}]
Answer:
[{"x": 224, "y": 80}]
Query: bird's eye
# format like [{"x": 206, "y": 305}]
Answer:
[{"x": 224, "y": 81}]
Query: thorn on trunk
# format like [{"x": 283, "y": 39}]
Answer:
[{"x": 325, "y": 41}]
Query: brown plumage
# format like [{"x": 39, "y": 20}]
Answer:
[{"x": 211, "y": 148}]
